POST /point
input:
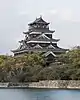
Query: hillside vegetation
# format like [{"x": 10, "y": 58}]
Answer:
[{"x": 33, "y": 67}]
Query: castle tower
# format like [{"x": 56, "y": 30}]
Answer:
[{"x": 39, "y": 38}]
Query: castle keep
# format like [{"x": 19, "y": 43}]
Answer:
[{"x": 39, "y": 38}]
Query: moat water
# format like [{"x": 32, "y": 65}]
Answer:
[{"x": 39, "y": 94}]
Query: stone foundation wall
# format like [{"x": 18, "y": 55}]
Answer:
[
  {"x": 71, "y": 84},
  {"x": 55, "y": 84}
]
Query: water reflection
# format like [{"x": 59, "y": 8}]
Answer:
[{"x": 39, "y": 94}]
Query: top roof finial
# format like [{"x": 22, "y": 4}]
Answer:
[{"x": 40, "y": 16}]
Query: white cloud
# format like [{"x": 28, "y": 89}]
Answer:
[
  {"x": 62, "y": 14},
  {"x": 65, "y": 14},
  {"x": 54, "y": 11},
  {"x": 51, "y": 12}
]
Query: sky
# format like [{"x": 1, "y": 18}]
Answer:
[{"x": 63, "y": 15}]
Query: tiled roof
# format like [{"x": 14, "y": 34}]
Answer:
[
  {"x": 39, "y": 20},
  {"x": 43, "y": 37}
]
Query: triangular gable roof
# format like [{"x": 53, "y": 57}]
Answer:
[
  {"x": 37, "y": 46},
  {"x": 44, "y": 36},
  {"x": 41, "y": 37},
  {"x": 51, "y": 46},
  {"x": 48, "y": 53}
]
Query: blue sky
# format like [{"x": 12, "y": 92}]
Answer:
[{"x": 64, "y": 16}]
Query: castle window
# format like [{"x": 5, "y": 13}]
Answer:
[{"x": 43, "y": 45}]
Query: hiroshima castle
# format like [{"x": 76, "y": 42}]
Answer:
[{"x": 39, "y": 38}]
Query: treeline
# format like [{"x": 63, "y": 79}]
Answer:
[{"x": 33, "y": 67}]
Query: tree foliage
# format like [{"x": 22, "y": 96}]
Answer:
[{"x": 32, "y": 67}]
